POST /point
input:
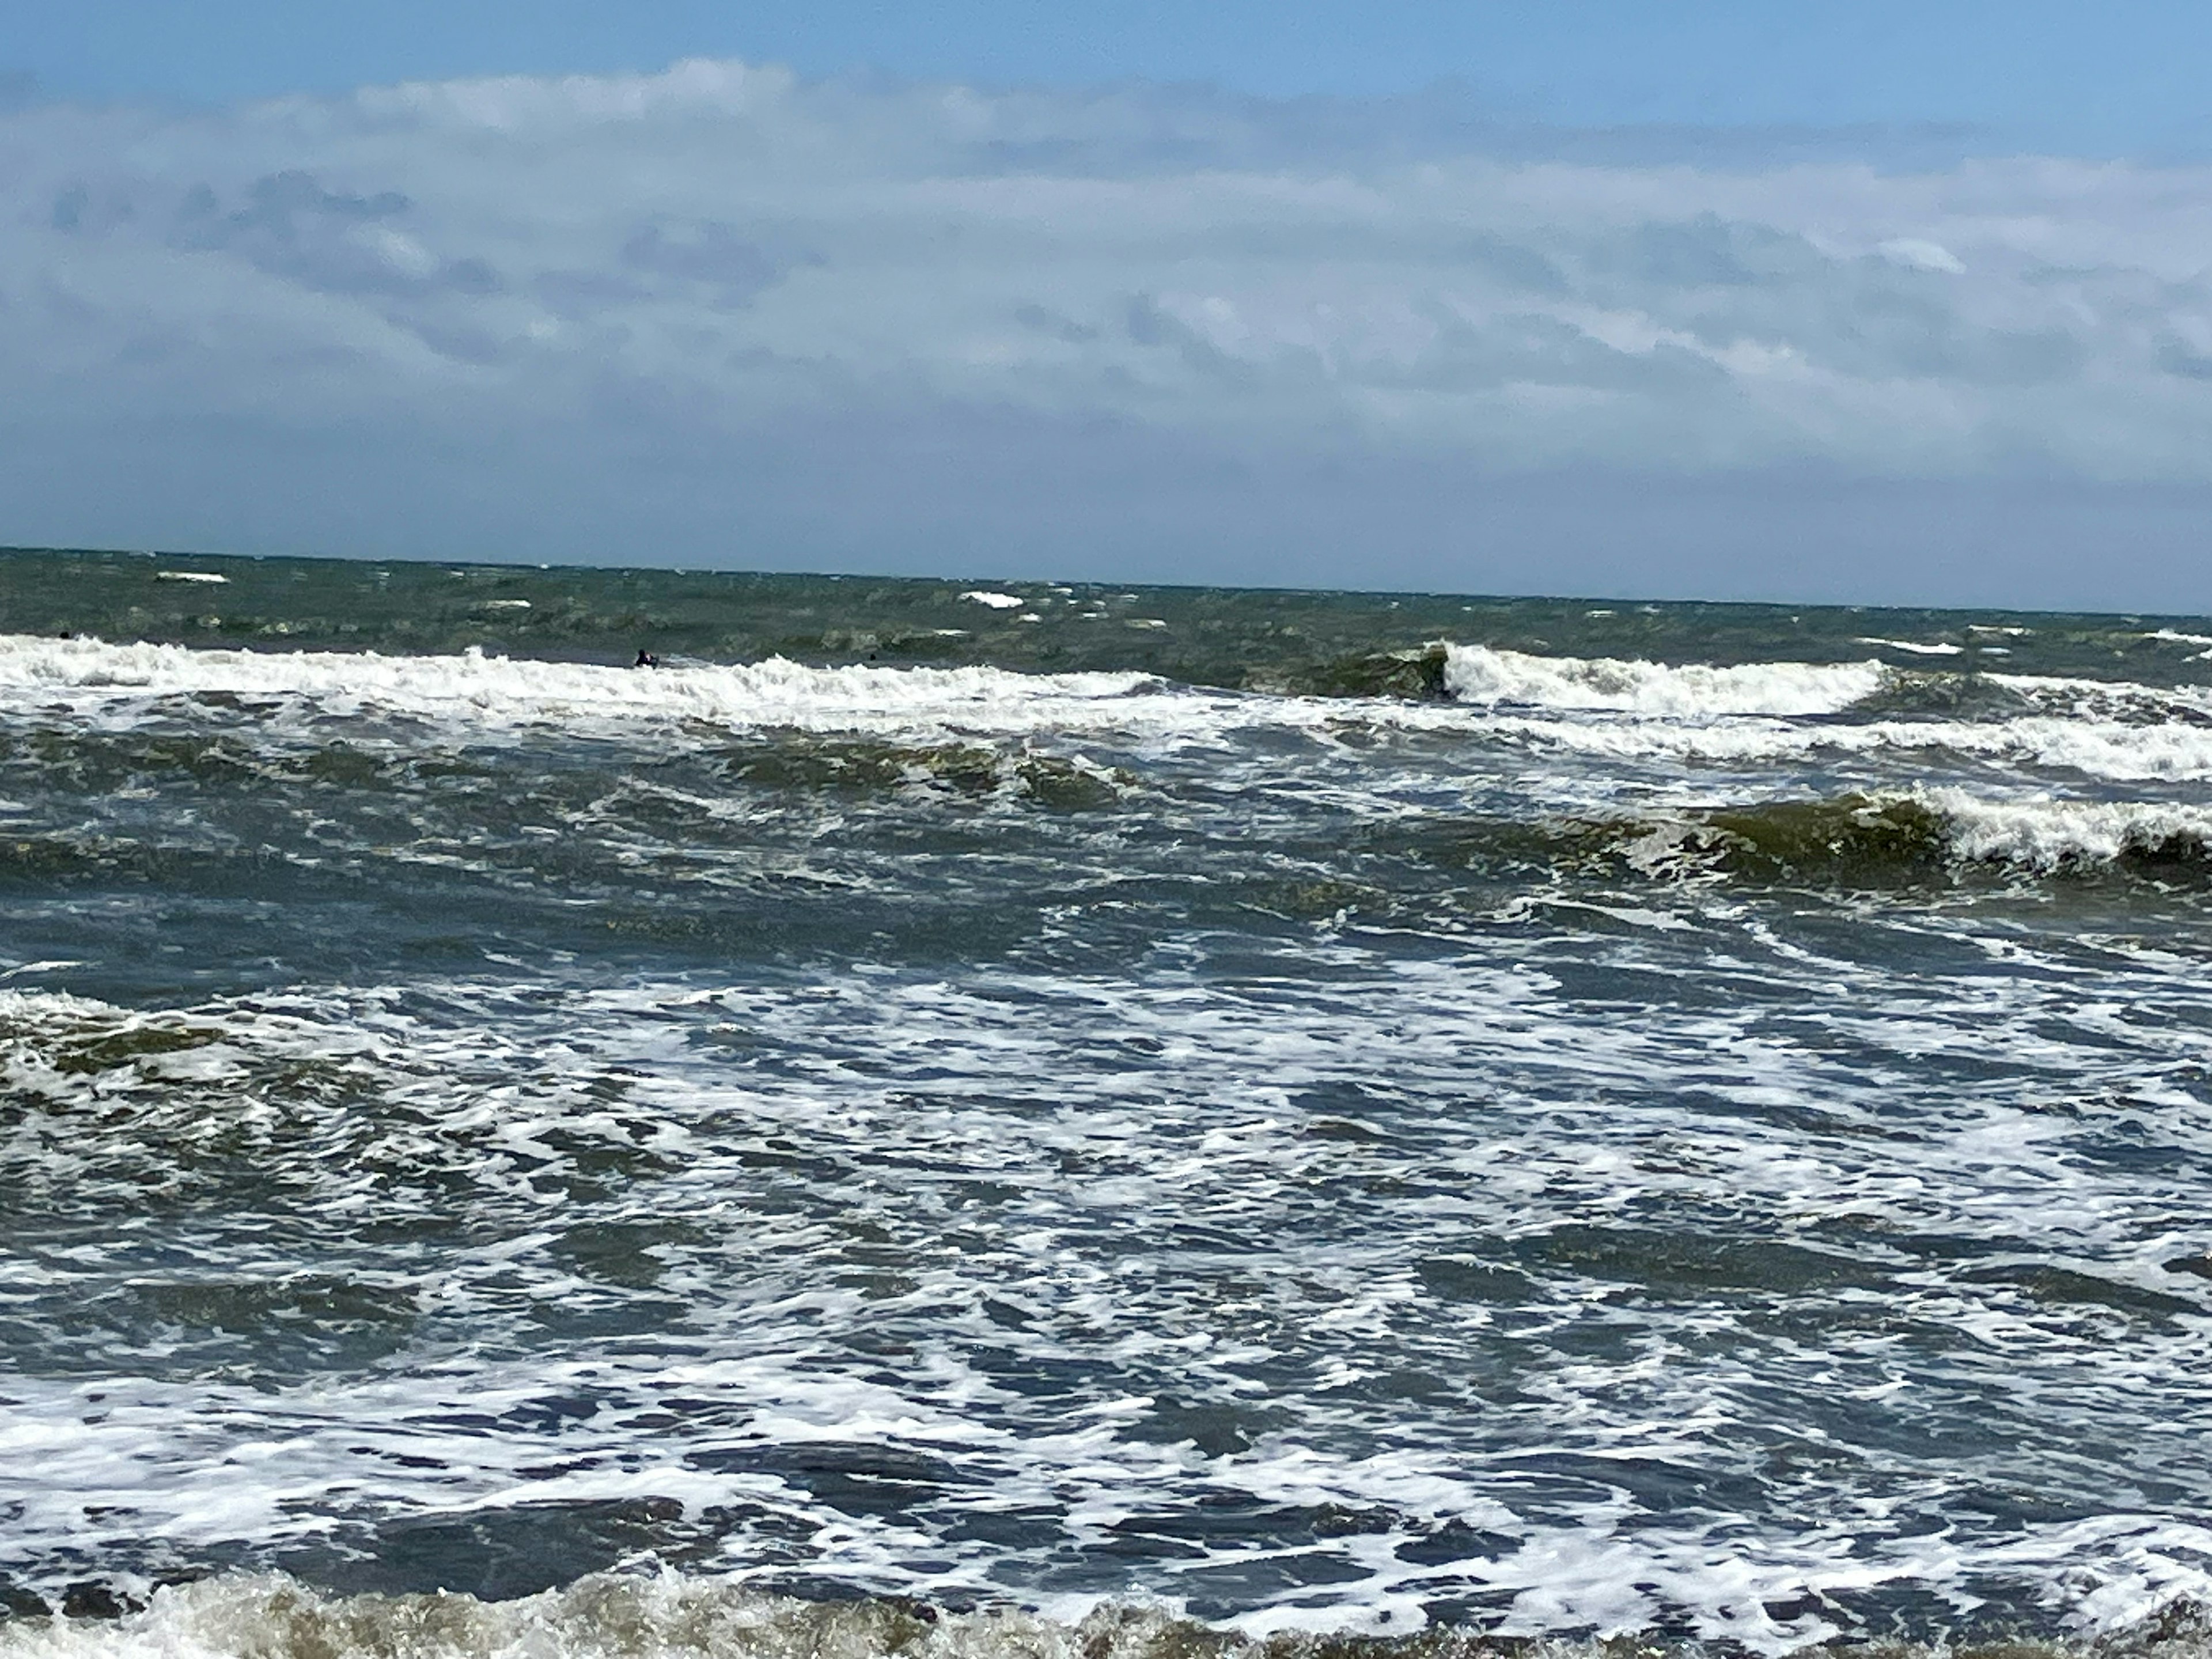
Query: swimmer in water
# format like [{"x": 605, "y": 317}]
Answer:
[{"x": 645, "y": 660}]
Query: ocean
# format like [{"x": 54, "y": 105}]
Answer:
[{"x": 1050, "y": 1119}]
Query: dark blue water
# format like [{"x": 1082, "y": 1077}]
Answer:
[{"x": 1317, "y": 1112}]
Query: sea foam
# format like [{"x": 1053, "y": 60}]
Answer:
[
  {"x": 1250, "y": 1203},
  {"x": 1483, "y": 675},
  {"x": 1605, "y": 711},
  {"x": 670, "y": 1615},
  {"x": 2044, "y": 834}
]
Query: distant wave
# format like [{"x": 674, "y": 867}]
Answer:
[
  {"x": 1483, "y": 675},
  {"x": 1477, "y": 675},
  {"x": 500, "y": 691},
  {"x": 1606, "y": 710}
]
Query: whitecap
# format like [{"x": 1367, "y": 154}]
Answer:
[
  {"x": 2046, "y": 833},
  {"x": 1937, "y": 648},
  {"x": 1491, "y": 676}
]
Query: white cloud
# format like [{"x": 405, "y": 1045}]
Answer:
[
  {"x": 1922, "y": 255},
  {"x": 682, "y": 262}
]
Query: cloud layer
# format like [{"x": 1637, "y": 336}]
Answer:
[{"x": 776, "y": 322}]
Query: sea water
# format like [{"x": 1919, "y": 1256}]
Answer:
[{"x": 1059, "y": 1119}]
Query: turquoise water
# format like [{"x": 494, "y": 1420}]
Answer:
[{"x": 1114, "y": 1118}]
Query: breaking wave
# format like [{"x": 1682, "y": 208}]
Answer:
[
  {"x": 672, "y": 1616},
  {"x": 498, "y": 691},
  {"x": 1479, "y": 674},
  {"x": 1602, "y": 711},
  {"x": 1865, "y": 841},
  {"x": 2051, "y": 835},
  {"x": 777, "y": 692}
]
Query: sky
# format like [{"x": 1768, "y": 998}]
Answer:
[
  {"x": 1881, "y": 304},
  {"x": 2117, "y": 75}
]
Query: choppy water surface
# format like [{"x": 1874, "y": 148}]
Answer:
[{"x": 1086, "y": 1109}]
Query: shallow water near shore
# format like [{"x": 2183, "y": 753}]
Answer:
[{"x": 978, "y": 1115}]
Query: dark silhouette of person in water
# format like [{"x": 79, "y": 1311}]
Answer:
[{"x": 645, "y": 660}]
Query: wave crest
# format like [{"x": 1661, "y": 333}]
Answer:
[
  {"x": 1485, "y": 675},
  {"x": 668, "y": 1615},
  {"x": 1858, "y": 840}
]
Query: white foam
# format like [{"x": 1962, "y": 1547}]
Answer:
[
  {"x": 2045, "y": 833},
  {"x": 1485, "y": 675},
  {"x": 2123, "y": 751},
  {"x": 663, "y": 1616},
  {"x": 670, "y": 1615},
  {"x": 497, "y": 692},
  {"x": 1609, "y": 711},
  {"x": 968, "y": 1128},
  {"x": 1915, "y": 647}
]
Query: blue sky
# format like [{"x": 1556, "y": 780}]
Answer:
[
  {"x": 1878, "y": 303},
  {"x": 2121, "y": 75}
]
